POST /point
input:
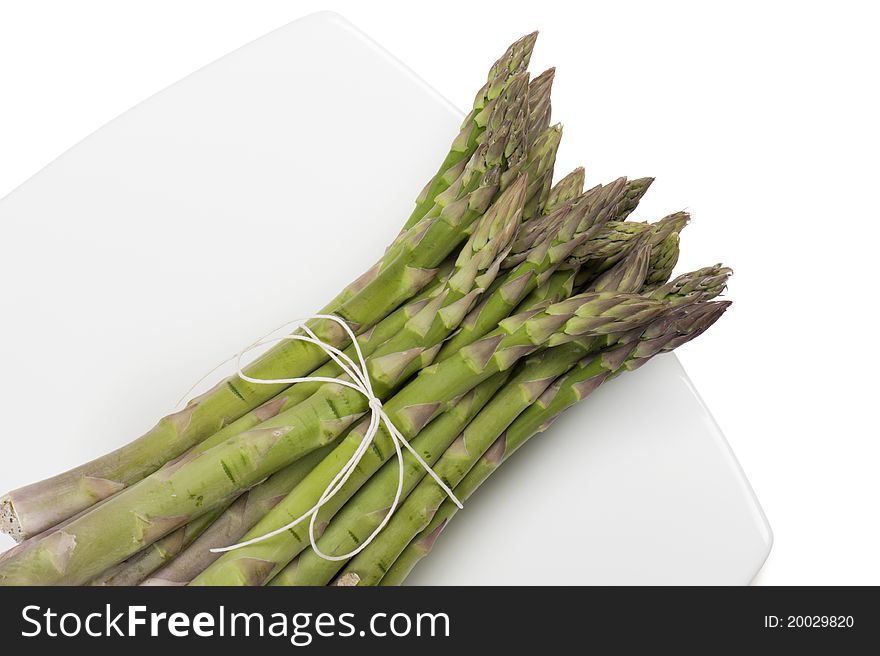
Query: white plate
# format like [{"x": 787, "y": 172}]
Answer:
[{"x": 208, "y": 214}]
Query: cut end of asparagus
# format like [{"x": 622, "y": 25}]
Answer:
[
  {"x": 9, "y": 523},
  {"x": 348, "y": 580},
  {"x": 157, "y": 583}
]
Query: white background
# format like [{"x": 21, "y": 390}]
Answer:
[{"x": 760, "y": 118}]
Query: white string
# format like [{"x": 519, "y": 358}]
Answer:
[{"x": 360, "y": 381}]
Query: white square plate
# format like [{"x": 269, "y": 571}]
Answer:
[{"x": 209, "y": 214}]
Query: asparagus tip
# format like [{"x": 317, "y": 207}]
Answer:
[
  {"x": 545, "y": 78},
  {"x": 9, "y": 522},
  {"x": 528, "y": 41}
]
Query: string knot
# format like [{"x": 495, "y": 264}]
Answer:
[{"x": 358, "y": 379}]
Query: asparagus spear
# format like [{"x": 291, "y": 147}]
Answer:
[
  {"x": 512, "y": 62},
  {"x": 568, "y": 188},
  {"x": 537, "y": 123},
  {"x": 409, "y": 264},
  {"x": 419, "y": 402},
  {"x": 539, "y": 101},
  {"x": 491, "y": 437},
  {"x": 542, "y": 157},
  {"x": 664, "y": 257}
]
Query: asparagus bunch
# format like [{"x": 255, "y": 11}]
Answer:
[
  {"x": 502, "y": 301},
  {"x": 408, "y": 265}
]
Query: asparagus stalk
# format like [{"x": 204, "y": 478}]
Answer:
[
  {"x": 702, "y": 284},
  {"x": 538, "y": 122},
  {"x": 539, "y": 102},
  {"x": 664, "y": 257},
  {"x": 418, "y": 403},
  {"x": 492, "y": 433},
  {"x": 565, "y": 392},
  {"x": 541, "y": 159},
  {"x": 409, "y": 264},
  {"x": 513, "y": 62}
]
